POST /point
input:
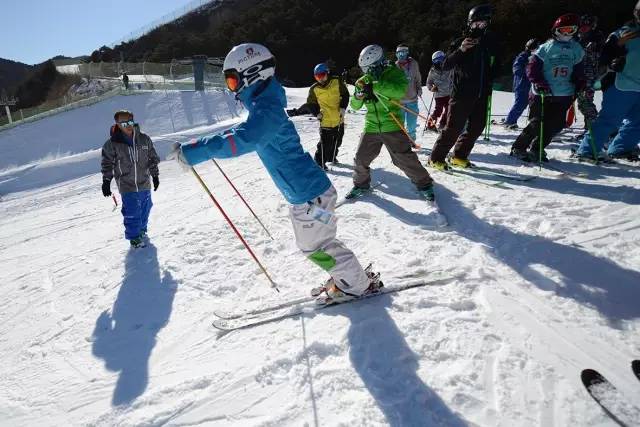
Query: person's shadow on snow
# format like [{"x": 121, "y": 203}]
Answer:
[
  {"x": 125, "y": 337},
  {"x": 588, "y": 279},
  {"x": 388, "y": 367}
]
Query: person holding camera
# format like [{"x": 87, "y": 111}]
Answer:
[{"x": 473, "y": 59}]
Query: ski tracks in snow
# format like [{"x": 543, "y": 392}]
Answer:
[{"x": 502, "y": 346}]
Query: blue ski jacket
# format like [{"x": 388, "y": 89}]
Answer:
[
  {"x": 521, "y": 83},
  {"x": 269, "y": 132}
]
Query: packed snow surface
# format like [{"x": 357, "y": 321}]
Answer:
[{"x": 93, "y": 333}]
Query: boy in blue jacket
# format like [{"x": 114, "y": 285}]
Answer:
[
  {"x": 249, "y": 71},
  {"x": 521, "y": 85}
]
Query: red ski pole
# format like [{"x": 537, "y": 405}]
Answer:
[
  {"x": 115, "y": 202},
  {"x": 246, "y": 245},
  {"x": 242, "y": 198}
]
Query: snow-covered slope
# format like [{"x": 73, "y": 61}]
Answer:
[
  {"x": 67, "y": 145},
  {"x": 92, "y": 333}
]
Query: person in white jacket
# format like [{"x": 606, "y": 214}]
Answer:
[
  {"x": 440, "y": 83},
  {"x": 412, "y": 71}
]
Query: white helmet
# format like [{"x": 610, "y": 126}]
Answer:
[
  {"x": 247, "y": 64},
  {"x": 370, "y": 56},
  {"x": 438, "y": 56}
]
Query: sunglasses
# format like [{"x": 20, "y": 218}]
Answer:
[
  {"x": 126, "y": 124},
  {"x": 321, "y": 76},
  {"x": 569, "y": 30}
]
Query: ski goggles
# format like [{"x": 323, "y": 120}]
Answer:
[
  {"x": 232, "y": 79},
  {"x": 236, "y": 80},
  {"x": 127, "y": 123},
  {"x": 481, "y": 25},
  {"x": 568, "y": 30},
  {"x": 402, "y": 54},
  {"x": 321, "y": 76}
]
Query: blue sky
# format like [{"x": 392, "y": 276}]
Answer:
[{"x": 32, "y": 31}]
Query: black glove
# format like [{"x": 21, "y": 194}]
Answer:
[
  {"x": 156, "y": 182},
  {"x": 106, "y": 187},
  {"x": 367, "y": 90},
  {"x": 618, "y": 64},
  {"x": 292, "y": 112}
]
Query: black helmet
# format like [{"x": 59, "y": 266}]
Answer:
[
  {"x": 484, "y": 12},
  {"x": 588, "y": 21},
  {"x": 532, "y": 44}
]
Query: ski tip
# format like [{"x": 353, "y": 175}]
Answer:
[
  {"x": 221, "y": 324},
  {"x": 591, "y": 377}
]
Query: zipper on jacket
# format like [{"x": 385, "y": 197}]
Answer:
[
  {"x": 119, "y": 167},
  {"x": 377, "y": 117},
  {"x": 135, "y": 163}
]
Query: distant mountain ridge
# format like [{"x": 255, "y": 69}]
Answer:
[{"x": 12, "y": 73}]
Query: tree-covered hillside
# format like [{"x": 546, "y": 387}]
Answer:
[{"x": 302, "y": 33}]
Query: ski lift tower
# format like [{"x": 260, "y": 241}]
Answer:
[
  {"x": 198, "y": 62},
  {"x": 7, "y": 102}
]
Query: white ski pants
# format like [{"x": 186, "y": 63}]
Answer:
[{"x": 315, "y": 227}]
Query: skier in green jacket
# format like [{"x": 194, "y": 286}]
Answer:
[{"x": 380, "y": 90}]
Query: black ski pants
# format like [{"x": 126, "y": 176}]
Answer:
[
  {"x": 554, "y": 120},
  {"x": 330, "y": 142},
  {"x": 466, "y": 120}
]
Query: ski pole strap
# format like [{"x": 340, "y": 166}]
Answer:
[{"x": 233, "y": 227}]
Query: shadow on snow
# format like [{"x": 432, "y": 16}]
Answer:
[
  {"x": 125, "y": 338},
  {"x": 586, "y": 278}
]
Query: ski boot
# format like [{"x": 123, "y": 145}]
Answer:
[
  {"x": 427, "y": 193},
  {"x": 457, "y": 162},
  {"x": 357, "y": 192},
  {"x": 520, "y": 154},
  {"x": 137, "y": 243},
  {"x": 632, "y": 156},
  {"x": 441, "y": 166},
  {"x": 534, "y": 155},
  {"x": 329, "y": 293}
]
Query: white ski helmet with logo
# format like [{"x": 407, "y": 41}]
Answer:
[
  {"x": 370, "y": 56},
  {"x": 248, "y": 63}
]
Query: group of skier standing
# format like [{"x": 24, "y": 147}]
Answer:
[{"x": 461, "y": 80}]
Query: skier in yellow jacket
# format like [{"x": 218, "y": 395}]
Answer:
[{"x": 327, "y": 100}]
